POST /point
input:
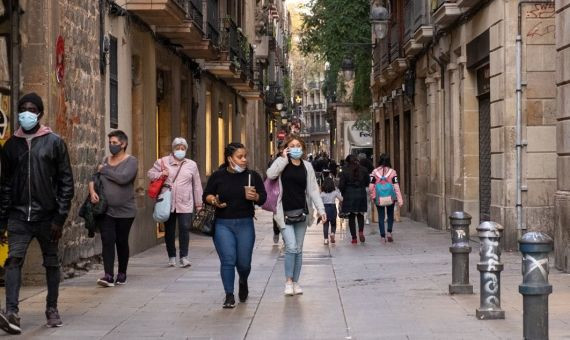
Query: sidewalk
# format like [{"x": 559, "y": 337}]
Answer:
[{"x": 367, "y": 291}]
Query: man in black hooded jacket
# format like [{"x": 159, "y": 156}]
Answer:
[{"x": 36, "y": 189}]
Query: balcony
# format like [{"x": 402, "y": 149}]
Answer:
[
  {"x": 446, "y": 13},
  {"x": 158, "y": 12},
  {"x": 208, "y": 46},
  {"x": 235, "y": 64},
  {"x": 466, "y": 4},
  {"x": 190, "y": 32},
  {"x": 416, "y": 15}
]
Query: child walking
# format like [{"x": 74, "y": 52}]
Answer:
[{"x": 329, "y": 193}]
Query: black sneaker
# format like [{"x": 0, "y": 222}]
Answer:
[
  {"x": 121, "y": 279},
  {"x": 243, "y": 290},
  {"x": 230, "y": 301},
  {"x": 10, "y": 323},
  {"x": 53, "y": 319},
  {"x": 106, "y": 281}
]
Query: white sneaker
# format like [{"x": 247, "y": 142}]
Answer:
[
  {"x": 326, "y": 241},
  {"x": 297, "y": 289},
  {"x": 289, "y": 289},
  {"x": 172, "y": 261},
  {"x": 184, "y": 262}
]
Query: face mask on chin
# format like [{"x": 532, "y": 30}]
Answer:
[{"x": 238, "y": 169}]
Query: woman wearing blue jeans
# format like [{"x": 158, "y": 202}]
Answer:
[
  {"x": 233, "y": 190},
  {"x": 298, "y": 193}
]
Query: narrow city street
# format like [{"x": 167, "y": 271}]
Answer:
[{"x": 367, "y": 291}]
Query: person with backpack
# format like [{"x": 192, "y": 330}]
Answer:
[
  {"x": 329, "y": 195},
  {"x": 353, "y": 182},
  {"x": 385, "y": 193}
]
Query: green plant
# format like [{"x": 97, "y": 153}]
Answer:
[{"x": 334, "y": 29}]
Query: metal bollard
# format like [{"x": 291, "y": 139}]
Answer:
[
  {"x": 535, "y": 247},
  {"x": 460, "y": 250},
  {"x": 490, "y": 267}
]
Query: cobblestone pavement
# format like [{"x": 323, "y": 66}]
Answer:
[{"x": 365, "y": 291}]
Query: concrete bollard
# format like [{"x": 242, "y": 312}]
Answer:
[
  {"x": 535, "y": 247},
  {"x": 490, "y": 268},
  {"x": 460, "y": 250}
]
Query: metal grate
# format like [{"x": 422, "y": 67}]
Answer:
[
  {"x": 113, "y": 84},
  {"x": 484, "y": 158}
]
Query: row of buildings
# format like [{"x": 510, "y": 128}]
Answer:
[
  {"x": 471, "y": 100},
  {"x": 206, "y": 70}
]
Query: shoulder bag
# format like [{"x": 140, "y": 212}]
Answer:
[
  {"x": 163, "y": 204},
  {"x": 155, "y": 186},
  {"x": 204, "y": 221}
]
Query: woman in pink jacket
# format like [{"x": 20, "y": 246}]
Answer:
[
  {"x": 184, "y": 179},
  {"x": 381, "y": 175}
]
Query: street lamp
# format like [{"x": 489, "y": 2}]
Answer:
[
  {"x": 347, "y": 67},
  {"x": 279, "y": 100},
  {"x": 379, "y": 18}
]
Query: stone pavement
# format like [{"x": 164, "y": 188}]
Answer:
[{"x": 367, "y": 291}]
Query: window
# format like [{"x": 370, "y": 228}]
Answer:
[{"x": 113, "y": 84}]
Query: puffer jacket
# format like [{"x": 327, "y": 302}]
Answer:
[{"x": 37, "y": 180}]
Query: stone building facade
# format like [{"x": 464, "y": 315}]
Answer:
[
  {"x": 445, "y": 92},
  {"x": 562, "y": 197},
  {"x": 180, "y": 68}
]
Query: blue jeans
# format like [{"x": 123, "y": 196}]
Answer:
[
  {"x": 234, "y": 240},
  {"x": 184, "y": 221},
  {"x": 293, "y": 236},
  {"x": 390, "y": 210}
]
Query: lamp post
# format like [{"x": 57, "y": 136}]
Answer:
[
  {"x": 347, "y": 67},
  {"x": 379, "y": 18},
  {"x": 279, "y": 100}
]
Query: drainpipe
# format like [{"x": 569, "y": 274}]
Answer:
[
  {"x": 518, "y": 107},
  {"x": 14, "y": 10}
]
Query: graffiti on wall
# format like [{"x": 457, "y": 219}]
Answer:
[
  {"x": 4, "y": 118},
  {"x": 540, "y": 21}
]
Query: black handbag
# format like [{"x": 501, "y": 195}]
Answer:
[
  {"x": 295, "y": 216},
  {"x": 204, "y": 221}
]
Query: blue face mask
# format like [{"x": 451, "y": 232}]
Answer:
[
  {"x": 28, "y": 120},
  {"x": 296, "y": 153},
  {"x": 180, "y": 154}
]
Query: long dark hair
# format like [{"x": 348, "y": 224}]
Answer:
[
  {"x": 229, "y": 151},
  {"x": 384, "y": 160},
  {"x": 328, "y": 185},
  {"x": 352, "y": 164}
]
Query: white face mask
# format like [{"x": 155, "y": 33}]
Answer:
[{"x": 238, "y": 169}]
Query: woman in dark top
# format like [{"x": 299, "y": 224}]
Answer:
[
  {"x": 118, "y": 173},
  {"x": 354, "y": 180},
  {"x": 298, "y": 193},
  {"x": 233, "y": 190}
]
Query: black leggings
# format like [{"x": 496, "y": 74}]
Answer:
[
  {"x": 115, "y": 233},
  {"x": 352, "y": 223}
]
